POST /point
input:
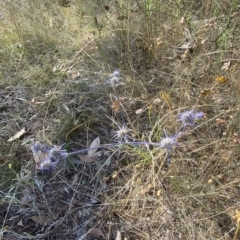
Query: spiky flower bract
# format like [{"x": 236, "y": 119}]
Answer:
[
  {"x": 122, "y": 134},
  {"x": 189, "y": 118},
  {"x": 114, "y": 81},
  {"x": 47, "y": 158},
  {"x": 168, "y": 142},
  {"x": 116, "y": 74}
]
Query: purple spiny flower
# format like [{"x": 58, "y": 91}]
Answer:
[
  {"x": 116, "y": 73},
  {"x": 114, "y": 81},
  {"x": 122, "y": 134},
  {"x": 168, "y": 142},
  {"x": 48, "y": 163},
  {"x": 188, "y": 118},
  {"x": 47, "y": 158}
]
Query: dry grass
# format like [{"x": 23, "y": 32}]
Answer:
[{"x": 173, "y": 55}]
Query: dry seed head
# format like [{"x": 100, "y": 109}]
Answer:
[
  {"x": 139, "y": 181},
  {"x": 236, "y": 217},
  {"x": 159, "y": 193},
  {"x": 210, "y": 181},
  {"x": 206, "y": 92},
  {"x": 182, "y": 21},
  {"x": 221, "y": 79},
  {"x": 138, "y": 166},
  {"x": 165, "y": 97},
  {"x": 115, "y": 175}
]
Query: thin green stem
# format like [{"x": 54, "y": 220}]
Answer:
[{"x": 236, "y": 232}]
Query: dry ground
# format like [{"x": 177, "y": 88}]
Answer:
[{"x": 56, "y": 60}]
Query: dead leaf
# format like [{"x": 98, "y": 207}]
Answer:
[
  {"x": 39, "y": 153},
  {"x": 146, "y": 189},
  {"x": 20, "y": 223},
  {"x": 75, "y": 179},
  {"x": 185, "y": 46},
  {"x": 144, "y": 96},
  {"x": 139, "y": 111},
  {"x": 157, "y": 101},
  {"x": 96, "y": 232},
  {"x": 182, "y": 21},
  {"x": 42, "y": 220},
  {"x": 66, "y": 107},
  {"x": 116, "y": 105},
  {"x": 85, "y": 158},
  {"x": 95, "y": 143},
  {"x": 118, "y": 236},
  {"x": 226, "y": 66},
  {"x": 106, "y": 179},
  {"x": 17, "y": 135},
  {"x": 186, "y": 54}
]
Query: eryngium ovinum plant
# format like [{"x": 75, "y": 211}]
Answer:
[{"x": 48, "y": 157}]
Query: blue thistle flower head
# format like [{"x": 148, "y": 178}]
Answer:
[
  {"x": 168, "y": 142},
  {"x": 122, "y": 134},
  {"x": 188, "y": 118},
  {"x": 116, "y": 73},
  {"x": 114, "y": 81},
  {"x": 47, "y": 158}
]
